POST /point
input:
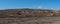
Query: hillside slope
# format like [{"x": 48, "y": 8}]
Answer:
[{"x": 29, "y": 12}]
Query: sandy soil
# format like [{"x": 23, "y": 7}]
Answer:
[{"x": 30, "y": 20}]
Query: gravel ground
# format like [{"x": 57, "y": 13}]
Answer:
[{"x": 30, "y": 20}]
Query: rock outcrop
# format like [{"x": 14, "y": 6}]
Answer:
[{"x": 29, "y": 12}]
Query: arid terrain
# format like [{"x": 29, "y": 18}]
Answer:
[
  {"x": 29, "y": 16},
  {"x": 29, "y": 12},
  {"x": 30, "y": 20}
]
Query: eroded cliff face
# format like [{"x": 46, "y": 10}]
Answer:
[{"x": 30, "y": 12}]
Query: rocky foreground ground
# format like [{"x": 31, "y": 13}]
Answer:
[{"x": 30, "y": 20}]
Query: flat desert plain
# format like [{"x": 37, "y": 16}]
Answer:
[{"x": 30, "y": 20}]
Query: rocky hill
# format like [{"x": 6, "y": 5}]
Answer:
[
  {"x": 29, "y": 12},
  {"x": 23, "y": 16}
]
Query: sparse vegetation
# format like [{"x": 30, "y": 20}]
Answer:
[{"x": 29, "y": 12}]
